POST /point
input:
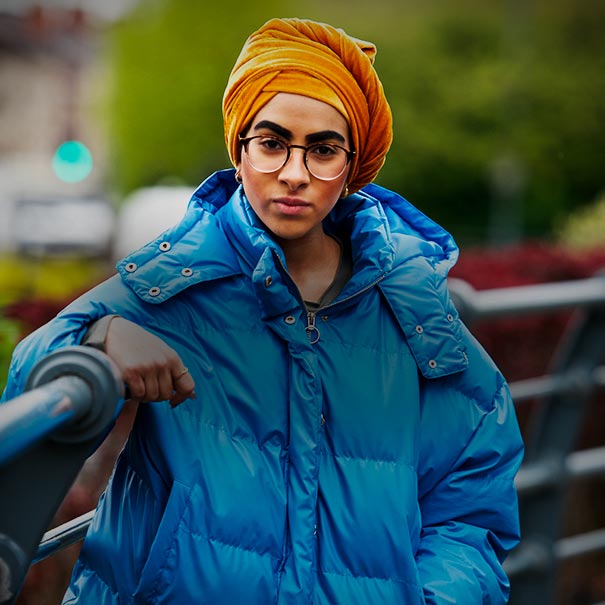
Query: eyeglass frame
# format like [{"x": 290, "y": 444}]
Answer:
[{"x": 245, "y": 140}]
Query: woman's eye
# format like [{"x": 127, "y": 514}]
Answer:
[
  {"x": 324, "y": 151},
  {"x": 270, "y": 144}
]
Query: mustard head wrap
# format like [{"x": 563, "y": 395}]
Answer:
[{"x": 319, "y": 61}]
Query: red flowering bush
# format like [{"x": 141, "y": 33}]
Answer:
[{"x": 523, "y": 346}]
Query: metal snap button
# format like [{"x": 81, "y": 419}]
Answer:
[
  {"x": 450, "y": 317},
  {"x": 268, "y": 281},
  {"x": 419, "y": 329},
  {"x": 154, "y": 291},
  {"x": 432, "y": 364},
  {"x": 187, "y": 272},
  {"x": 165, "y": 246},
  {"x": 130, "y": 267},
  {"x": 290, "y": 319}
]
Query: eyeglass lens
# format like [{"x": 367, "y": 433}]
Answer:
[{"x": 323, "y": 160}]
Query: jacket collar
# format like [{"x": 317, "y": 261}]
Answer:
[
  {"x": 416, "y": 287},
  {"x": 193, "y": 251},
  {"x": 361, "y": 217},
  {"x": 393, "y": 243}
]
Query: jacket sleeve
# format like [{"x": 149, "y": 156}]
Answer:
[
  {"x": 470, "y": 454},
  {"x": 67, "y": 329}
]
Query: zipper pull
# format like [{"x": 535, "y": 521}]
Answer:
[{"x": 311, "y": 328}]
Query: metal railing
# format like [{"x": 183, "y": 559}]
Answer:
[
  {"x": 563, "y": 396},
  {"x": 551, "y": 462},
  {"x": 72, "y": 397}
]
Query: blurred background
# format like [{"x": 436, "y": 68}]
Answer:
[{"x": 110, "y": 116}]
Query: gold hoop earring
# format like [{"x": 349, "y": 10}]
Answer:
[
  {"x": 345, "y": 192},
  {"x": 238, "y": 177}
]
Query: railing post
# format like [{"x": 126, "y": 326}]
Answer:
[{"x": 72, "y": 400}]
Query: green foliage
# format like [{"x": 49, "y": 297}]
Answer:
[
  {"x": 523, "y": 345},
  {"x": 47, "y": 279},
  {"x": 585, "y": 228},
  {"x": 9, "y": 335},
  {"x": 473, "y": 85},
  {"x": 33, "y": 290},
  {"x": 170, "y": 65}
]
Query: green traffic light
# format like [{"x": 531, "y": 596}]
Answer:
[{"x": 72, "y": 161}]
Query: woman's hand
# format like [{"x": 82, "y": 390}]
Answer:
[{"x": 152, "y": 370}]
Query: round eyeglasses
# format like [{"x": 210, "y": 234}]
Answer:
[{"x": 325, "y": 161}]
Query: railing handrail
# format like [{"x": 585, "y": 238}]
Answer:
[
  {"x": 71, "y": 398},
  {"x": 533, "y": 298},
  {"x": 63, "y": 536},
  {"x": 556, "y": 384},
  {"x": 534, "y": 476}
]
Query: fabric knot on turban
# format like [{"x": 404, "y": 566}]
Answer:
[{"x": 319, "y": 61}]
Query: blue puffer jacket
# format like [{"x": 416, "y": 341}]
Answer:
[{"x": 374, "y": 466}]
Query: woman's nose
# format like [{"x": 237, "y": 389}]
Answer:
[{"x": 294, "y": 171}]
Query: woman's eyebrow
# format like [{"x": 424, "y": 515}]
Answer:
[
  {"x": 323, "y": 135},
  {"x": 315, "y": 137},
  {"x": 284, "y": 133}
]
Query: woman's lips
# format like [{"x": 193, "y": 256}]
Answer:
[{"x": 291, "y": 206}]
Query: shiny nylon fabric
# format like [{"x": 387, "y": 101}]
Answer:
[
  {"x": 245, "y": 495},
  {"x": 319, "y": 61}
]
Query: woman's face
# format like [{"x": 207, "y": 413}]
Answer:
[{"x": 291, "y": 202}]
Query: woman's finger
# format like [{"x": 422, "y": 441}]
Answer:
[
  {"x": 136, "y": 385},
  {"x": 152, "y": 389},
  {"x": 165, "y": 384},
  {"x": 184, "y": 387}
]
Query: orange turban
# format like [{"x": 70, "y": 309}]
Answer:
[{"x": 318, "y": 61}]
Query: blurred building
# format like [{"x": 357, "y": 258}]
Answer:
[{"x": 50, "y": 81}]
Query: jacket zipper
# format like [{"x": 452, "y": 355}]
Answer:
[
  {"x": 365, "y": 289},
  {"x": 313, "y": 331}
]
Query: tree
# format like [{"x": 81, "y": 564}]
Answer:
[
  {"x": 170, "y": 65},
  {"x": 499, "y": 119}
]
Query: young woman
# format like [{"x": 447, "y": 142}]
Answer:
[{"x": 341, "y": 438}]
